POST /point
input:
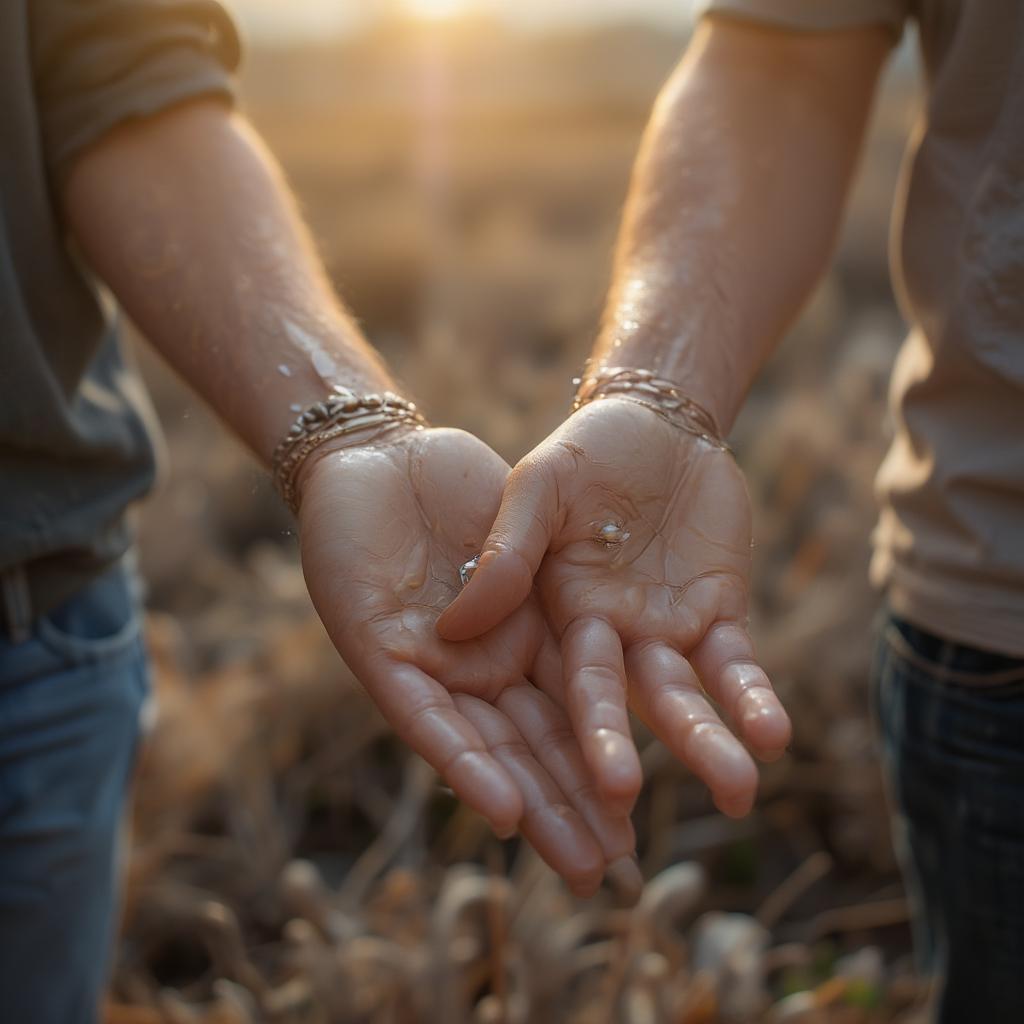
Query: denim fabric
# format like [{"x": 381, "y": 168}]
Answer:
[
  {"x": 952, "y": 723},
  {"x": 70, "y": 703}
]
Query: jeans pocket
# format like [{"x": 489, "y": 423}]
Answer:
[
  {"x": 100, "y": 622},
  {"x": 927, "y": 659},
  {"x": 946, "y": 724}
]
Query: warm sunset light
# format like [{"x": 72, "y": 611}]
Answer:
[{"x": 436, "y": 9}]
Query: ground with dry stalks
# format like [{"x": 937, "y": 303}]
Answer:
[{"x": 290, "y": 864}]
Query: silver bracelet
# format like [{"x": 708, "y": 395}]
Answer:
[
  {"x": 343, "y": 412},
  {"x": 659, "y": 395}
]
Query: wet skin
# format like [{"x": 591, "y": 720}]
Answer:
[
  {"x": 658, "y": 621},
  {"x": 384, "y": 529}
]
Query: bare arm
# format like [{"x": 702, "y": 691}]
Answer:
[
  {"x": 188, "y": 220},
  {"x": 736, "y": 200},
  {"x": 733, "y": 209}
]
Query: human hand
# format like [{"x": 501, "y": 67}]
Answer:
[
  {"x": 660, "y": 617},
  {"x": 384, "y": 530}
]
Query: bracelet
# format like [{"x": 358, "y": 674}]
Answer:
[
  {"x": 342, "y": 412},
  {"x": 661, "y": 396}
]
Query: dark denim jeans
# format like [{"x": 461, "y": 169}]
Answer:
[
  {"x": 70, "y": 702},
  {"x": 952, "y": 723}
]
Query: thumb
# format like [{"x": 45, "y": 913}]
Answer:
[{"x": 511, "y": 554}]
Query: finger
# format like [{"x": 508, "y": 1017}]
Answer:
[
  {"x": 548, "y": 733},
  {"x": 555, "y": 829},
  {"x": 595, "y": 690},
  {"x": 424, "y": 716},
  {"x": 724, "y": 660},
  {"x": 510, "y": 556},
  {"x": 666, "y": 694},
  {"x": 539, "y": 712},
  {"x": 546, "y": 671}
]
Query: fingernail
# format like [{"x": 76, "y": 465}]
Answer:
[
  {"x": 503, "y": 834},
  {"x": 626, "y": 878},
  {"x": 738, "y": 808},
  {"x": 584, "y": 892},
  {"x": 484, "y": 559}
]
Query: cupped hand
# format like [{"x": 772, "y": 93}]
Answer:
[
  {"x": 384, "y": 530},
  {"x": 638, "y": 534}
]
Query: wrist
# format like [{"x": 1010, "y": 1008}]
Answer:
[
  {"x": 662, "y": 397},
  {"x": 344, "y": 420},
  {"x": 714, "y": 375}
]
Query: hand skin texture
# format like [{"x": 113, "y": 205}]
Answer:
[
  {"x": 189, "y": 221},
  {"x": 384, "y": 529},
  {"x": 659, "y": 618},
  {"x": 732, "y": 213}
]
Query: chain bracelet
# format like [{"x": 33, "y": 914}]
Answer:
[
  {"x": 659, "y": 395},
  {"x": 342, "y": 412}
]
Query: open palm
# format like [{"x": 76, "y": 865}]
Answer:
[
  {"x": 639, "y": 537},
  {"x": 384, "y": 530}
]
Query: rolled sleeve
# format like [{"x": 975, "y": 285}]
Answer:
[
  {"x": 97, "y": 63},
  {"x": 816, "y": 15}
]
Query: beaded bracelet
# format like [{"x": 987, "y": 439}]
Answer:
[
  {"x": 661, "y": 396},
  {"x": 342, "y": 412}
]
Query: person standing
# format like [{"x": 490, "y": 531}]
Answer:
[
  {"x": 125, "y": 172},
  {"x": 735, "y": 203}
]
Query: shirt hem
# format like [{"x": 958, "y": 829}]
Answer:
[{"x": 960, "y": 613}]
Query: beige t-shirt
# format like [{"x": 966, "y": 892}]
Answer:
[{"x": 949, "y": 545}]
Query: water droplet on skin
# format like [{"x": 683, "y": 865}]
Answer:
[
  {"x": 466, "y": 570},
  {"x": 322, "y": 361},
  {"x": 612, "y": 533},
  {"x": 285, "y": 371},
  {"x": 324, "y": 365}
]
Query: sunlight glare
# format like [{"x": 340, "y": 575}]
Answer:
[{"x": 436, "y": 10}]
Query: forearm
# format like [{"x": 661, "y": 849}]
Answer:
[
  {"x": 735, "y": 203},
  {"x": 188, "y": 220}
]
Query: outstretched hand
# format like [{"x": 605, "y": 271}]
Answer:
[
  {"x": 384, "y": 530},
  {"x": 638, "y": 535}
]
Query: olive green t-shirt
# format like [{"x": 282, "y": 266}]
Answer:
[
  {"x": 949, "y": 546},
  {"x": 75, "y": 439}
]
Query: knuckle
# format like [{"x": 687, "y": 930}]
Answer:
[
  {"x": 583, "y": 793},
  {"x": 557, "y": 736},
  {"x": 450, "y": 764},
  {"x": 607, "y": 716},
  {"x": 415, "y": 718},
  {"x": 510, "y": 749},
  {"x": 594, "y": 675}
]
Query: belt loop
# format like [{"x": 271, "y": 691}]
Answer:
[{"x": 17, "y": 603}]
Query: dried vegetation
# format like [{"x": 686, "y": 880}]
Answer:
[{"x": 290, "y": 864}]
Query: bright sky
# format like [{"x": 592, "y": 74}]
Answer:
[{"x": 316, "y": 17}]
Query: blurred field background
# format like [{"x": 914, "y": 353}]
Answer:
[{"x": 289, "y": 862}]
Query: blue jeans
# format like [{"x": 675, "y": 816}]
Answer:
[
  {"x": 70, "y": 702},
  {"x": 952, "y": 722}
]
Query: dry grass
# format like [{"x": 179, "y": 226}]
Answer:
[{"x": 290, "y": 863}]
